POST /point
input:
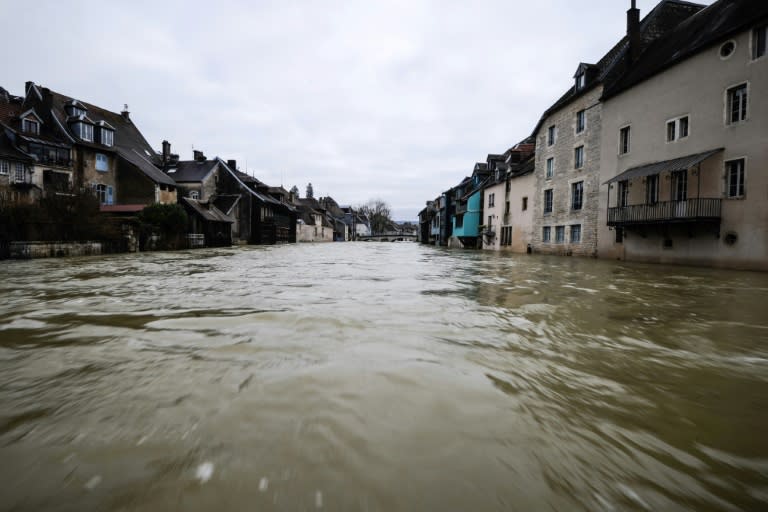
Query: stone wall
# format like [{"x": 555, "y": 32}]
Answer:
[
  {"x": 27, "y": 250},
  {"x": 565, "y": 174}
]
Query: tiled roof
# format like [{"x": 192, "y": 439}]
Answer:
[
  {"x": 708, "y": 27},
  {"x": 192, "y": 170},
  {"x": 207, "y": 211},
  {"x": 667, "y": 15}
]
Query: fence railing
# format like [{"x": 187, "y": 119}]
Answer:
[{"x": 667, "y": 211}]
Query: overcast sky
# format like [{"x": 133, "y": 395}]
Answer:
[{"x": 394, "y": 99}]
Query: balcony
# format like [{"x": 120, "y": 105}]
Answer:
[
  {"x": 461, "y": 208},
  {"x": 691, "y": 210}
]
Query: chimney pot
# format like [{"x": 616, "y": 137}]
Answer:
[{"x": 126, "y": 115}]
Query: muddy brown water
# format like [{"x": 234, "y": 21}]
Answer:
[{"x": 380, "y": 376}]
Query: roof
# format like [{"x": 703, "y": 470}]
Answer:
[
  {"x": 121, "y": 208},
  {"x": 706, "y": 28},
  {"x": 129, "y": 143},
  {"x": 225, "y": 202},
  {"x": 663, "y": 18},
  {"x": 676, "y": 164},
  {"x": 192, "y": 170},
  {"x": 8, "y": 149},
  {"x": 207, "y": 211}
]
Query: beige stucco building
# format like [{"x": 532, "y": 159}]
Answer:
[{"x": 684, "y": 155}]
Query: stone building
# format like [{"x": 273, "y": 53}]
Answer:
[{"x": 569, "y": 138}]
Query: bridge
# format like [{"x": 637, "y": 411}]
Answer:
[{"x": 387, "y": 237}]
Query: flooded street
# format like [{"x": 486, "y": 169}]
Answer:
[{"x": 380, "y": 376}]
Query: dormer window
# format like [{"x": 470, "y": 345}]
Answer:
[
  {"x": 75, "y": 109},
  {"x": 107, "y": 137},
  {"x": 30, "y": 126},
  {"x": 83, "y": 131},
  {"x": 581, "y": 80}
]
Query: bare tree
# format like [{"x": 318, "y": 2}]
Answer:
[{"x": 379, "y": 215}]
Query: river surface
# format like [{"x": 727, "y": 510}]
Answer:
[{"x": 380, "y": 376}]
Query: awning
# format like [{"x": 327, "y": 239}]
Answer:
[{"x": 676, "y": 164}]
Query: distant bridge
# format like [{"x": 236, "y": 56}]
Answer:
[{"x": 387, "y": 237}]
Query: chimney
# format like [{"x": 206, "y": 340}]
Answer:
[
  {"x": 198, "y": 156},
  {"x": 232, "y": 164},
  {"x": 27, "y": 87},
  {"x": 126, "y": 115},
  {"x": 633, "y": 32},
  {"x": 166, "y": 151}
]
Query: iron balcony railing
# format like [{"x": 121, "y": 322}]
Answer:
[{"x": 700, "y": 209}]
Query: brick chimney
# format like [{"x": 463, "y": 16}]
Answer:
[
  {"x": 166, "y": 151},
  {"x": 126, "y": 115},
  {"x": 198, "y": 155},
  {"x": 633, "y": 32},
  {"x": 232, "y": 164}
]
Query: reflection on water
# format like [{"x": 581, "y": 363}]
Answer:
[{"x": 380, "y": 377}]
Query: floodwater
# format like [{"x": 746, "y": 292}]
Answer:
[{"x": 380, "y": 376}]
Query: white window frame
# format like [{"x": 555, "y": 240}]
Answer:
[
  {"x": 742, "y": 178},
  {"x": 560, "y": 234},
  {"x": 628, "y": 128},
  {"x": 194, "y": 194},
  {"x": 572, "y": 231},
  {"x": 30, "y": 123},
  {"x": 572, "y": 186},
  {"x": 100, "y": 157},
  {"x": 5, "y": 167},
  {"x": 551, "y": 201},
  {"x": 728, "y": 105},
  {"x": 583, "y": 115},
  {"x": 578, "y": 157},
  {"x": 19, "y": 172},
  {"x": 552, "y": 135},
  {"x": 107, "y": 137},
  {"x": 676, "y": 123},
  {"x": 546, "y": 234}
]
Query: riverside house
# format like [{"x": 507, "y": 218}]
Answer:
[
  {"x": 570, "y": 137},
  {"x": 507, "y": 208},
  {"x": 685, "y": 167}
]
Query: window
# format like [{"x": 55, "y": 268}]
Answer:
[
  {"x": 103, "y": 193},
  {"x": 680, "y": 185},
  {"x": 577, "y": 195},
  {"x": 490, "y": 222},
  {"x": 548, "y": 196},
  {"x": 546, "y": 234},
  {"x": 5, "y": 167},
  {"x": 580, "y": 81},
  {"x": 30, "y": 126},
  {"x": 559, "y": 234},
  {"x": 506, "y": 207},
  {"x": 677, "y": 129},
  {"x": 759, "y": 36},
  {"x": 623, "y": 200},
  {"x": 578, "y": 157},
  {"x": 576, "y": 234},
  {"x": 491, "y": 200},
  {"x": 550, "y": 167},
  {"x": 102, "y": 163},
  {"x": 506, "y": 235},
  {"x": 581, "y": 121},
  {"x": 194, "y": 194},
  {"x": 107, "y": 137},
  {"x": 525, "y": 203},
  {"x": 619, "y": 235},
  {"x": 737, "y": 104},
  {"x": 734, "y": 174},
  {"x": 726, "y": 50},
  {"x": 551, "y": 135},
  {"x": 652, "y": 189},
  {"x": 624, "y": 141},
  {"x": 84, "y": 131},
  {"x": 18, "y": 175}
]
